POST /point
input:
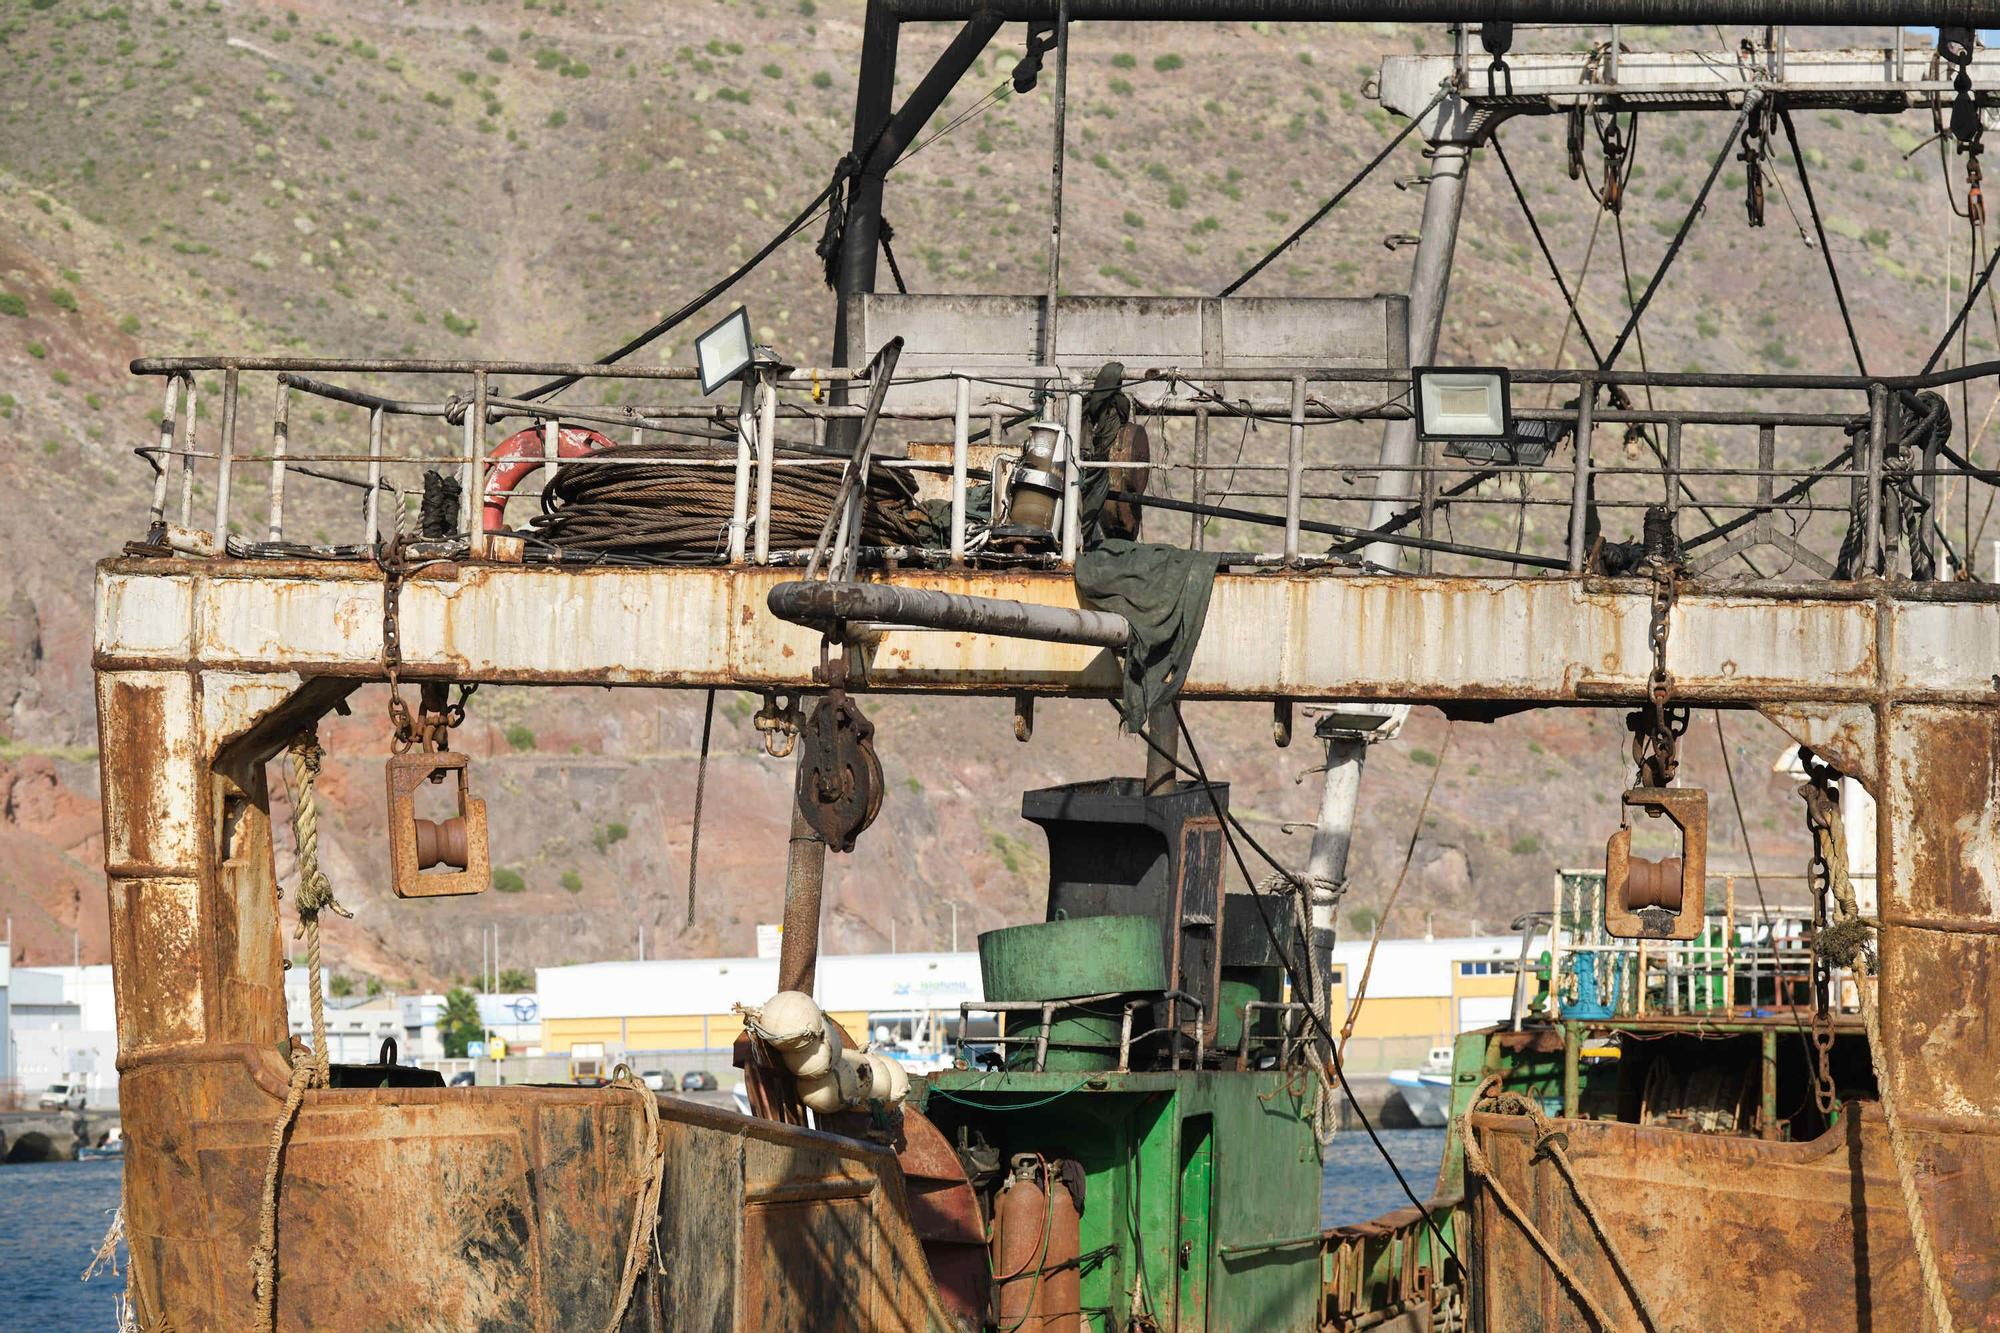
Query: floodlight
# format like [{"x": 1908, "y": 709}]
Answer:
[
  {"x": 1463, "y": 403},
  {"x": 724, "y": 352},
  {"x": 1534, "y": 440}
]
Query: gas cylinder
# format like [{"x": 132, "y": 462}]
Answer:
[{"x": 1037, "y": 1282}]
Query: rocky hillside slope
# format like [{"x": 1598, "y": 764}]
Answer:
[{"x": 539, "y": 179}]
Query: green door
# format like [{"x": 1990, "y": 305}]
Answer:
[{"x": 1195, "y": 1243}]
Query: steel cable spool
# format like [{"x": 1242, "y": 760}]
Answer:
[{"x": 679, "y": 511}]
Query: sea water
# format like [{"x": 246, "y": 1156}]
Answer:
[
  {"x": 53, "y": 1215},
  {"x": 1357, "y": 1184}
]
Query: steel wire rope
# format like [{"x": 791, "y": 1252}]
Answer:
[
  {"x": 677, "y": 514},
  {"x": 1389, "y": 905},
  {"x": 803, "y": 219},
  {"x": 1644, "y": 433},
  {"x": 1750, "y": 103},
  {"x": 1340, "y": 194},
  {"x": 1230, "y": 822},
  {"x": 1819, "y": 230}
]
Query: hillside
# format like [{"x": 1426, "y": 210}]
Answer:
[{"x": 541, "y": 179}]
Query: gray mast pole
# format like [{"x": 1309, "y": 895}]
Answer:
[
  {"x": 1056, "y": 191},
  {"x": 1430, "y": 280}
]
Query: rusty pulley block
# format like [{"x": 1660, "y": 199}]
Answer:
[
  {"x": 1645, "y": 899},
  {"x": 435, "y": 858},
  {"x": 840, "y": 777}
]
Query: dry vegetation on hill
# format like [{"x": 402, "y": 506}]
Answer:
[{"x": 530, "y": 178}]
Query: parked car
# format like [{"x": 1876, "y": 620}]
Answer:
[
  {"x": 63, "y": 1097},
  {"x": 659, "y": 1080},
  {"x": 697, "y": 1080},
  {"x": 464, "y": 1078}
]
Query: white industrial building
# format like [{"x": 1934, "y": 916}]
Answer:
[
  {"x": 62, "y": 1026},
  {"x": 687, "y": 1004}
]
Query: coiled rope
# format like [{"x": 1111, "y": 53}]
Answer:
[
  {"x": 315, "y": 895},
  {"x": 681, "y": 509}
]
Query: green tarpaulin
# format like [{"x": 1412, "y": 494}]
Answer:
[{"x": 1163, "y": 590}]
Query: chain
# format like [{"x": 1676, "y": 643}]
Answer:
[
  {"x": 1657, "y": 728},
  {"x": 437, "y": 714},
  {"x": 406, "y": 734},
  {"x": 1819, "y": 875}
]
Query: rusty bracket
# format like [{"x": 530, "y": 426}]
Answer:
[
  {"x": 1658, "y": 900},
  {"x": 442, "y": 858}
]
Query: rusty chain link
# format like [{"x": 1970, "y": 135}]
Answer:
[
  {"x": 436, "y": 715},
  {"x": 1657, "y": 728},
  {"x": 1819, "y": 875}
]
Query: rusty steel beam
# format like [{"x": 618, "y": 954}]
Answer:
[
  {"x": 1295, "y": 634},
  {"x": 1589, "y": 13}
]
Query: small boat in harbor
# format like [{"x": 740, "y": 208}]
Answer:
[{"x": 1427, "y": 1090}]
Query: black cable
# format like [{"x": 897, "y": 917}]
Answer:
[
  {"x": 1534, "y": 226},
  {"x": 1362, "y": 535},
  {"x": 1299, "y": 986},
  {"x": 1789, "y": 494},
  {"x": 1819, "y": 229},
  {"x": 1507, "y": 168},
  {"x": 1985, "y": 276},
  {"x": 1680, "y": 237},
  {"x": 680, "y": 316},
  {"x": 1338, "y": 195}
]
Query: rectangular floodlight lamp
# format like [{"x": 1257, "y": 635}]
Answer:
[
  {"x": 1460, "y": 403},
  {"x": 724, "y": 352}
]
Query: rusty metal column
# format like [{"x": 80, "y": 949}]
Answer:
[
  {"x": 1430, "y": 280},
  {"x": 805, "y": 876}
]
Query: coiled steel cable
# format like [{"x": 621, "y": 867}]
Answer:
[{"x": 679, "y": 510}]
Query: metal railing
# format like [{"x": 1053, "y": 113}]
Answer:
[
  {"x": 1749, "y": 956},
  {"x": 1306, "y": 443}
]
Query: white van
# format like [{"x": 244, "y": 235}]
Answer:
[{"x": 66, "y": 1096}]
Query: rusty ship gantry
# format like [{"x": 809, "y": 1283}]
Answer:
[{"x": 1350, "y": 570}]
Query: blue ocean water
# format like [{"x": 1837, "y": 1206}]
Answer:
[
  {"x": 1357, "y": 1185},
  {"x": 52, "y": 1216}
]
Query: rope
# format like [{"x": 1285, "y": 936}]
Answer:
[
  {"x": 1338, "y": 195},
  {"x": 1231, "y": 828},
  {"x": 1829, "y": 833},
  {"x": 1409, "y": 854},
  {"x": 647, "y": 1206},
  {"x": 1551, "y": 1143},
  {"x": 314, "y": 895},
  {"x": 700, "y": 787}
]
